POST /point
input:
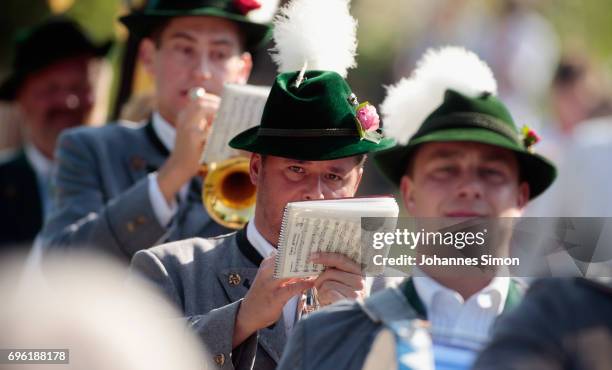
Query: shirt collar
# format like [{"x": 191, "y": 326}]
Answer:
[
  {"x": 164, "y": 131},
  {"x": 43, "y": 166},
  {"x": 262, "y": 246},
  {"x": 428, "y": 288}
]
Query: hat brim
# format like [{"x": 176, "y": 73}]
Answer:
[
  {"x": 142, "y": 23},
  {"x": 11, "y": 84},
  {"x": 536, "y": 170},
  {"x": 307, "y": 149}
]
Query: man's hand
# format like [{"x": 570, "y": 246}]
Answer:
[
  {"x": 192, "y": 130},
  {"x": 263, "y": 304},
  {"x": 341, "y": 279}
]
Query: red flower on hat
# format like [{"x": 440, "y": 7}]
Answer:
[
  {"x": 530, "y": 137},
  {"x": 368, "y": 117},
  {"x": 245, "y": 6},
  {"x": 367, "y": 121}
]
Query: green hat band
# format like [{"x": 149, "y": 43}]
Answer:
[
  {"x": 307, "y": 132},
  {"x": 314, "y": 121},
  {"x": 482, "y": 119},
  {"x": 469, "y": 120}
]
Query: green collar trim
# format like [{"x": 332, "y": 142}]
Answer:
[{"x": 413, "y": 298}]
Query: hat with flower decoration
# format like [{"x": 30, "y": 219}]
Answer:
[
  {"x": 245, "y": 13},
  {"x": 311, "y": 112},
  {"x": 451, "y": 97}
]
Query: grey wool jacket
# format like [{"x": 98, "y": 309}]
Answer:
[
  {"x": 102, "y": 194},
  {"x": 207, "y": 279}
]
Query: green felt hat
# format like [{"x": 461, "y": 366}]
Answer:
[
  {"x": 56, "y": 39},
  {"x": 315, "y": 121},
  {"x": 483, "y": 119},
  {"x": 142, "y": 22}
]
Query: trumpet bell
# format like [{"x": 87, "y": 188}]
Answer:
[{"x": 228, "y": 194}]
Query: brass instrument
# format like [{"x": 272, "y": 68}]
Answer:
[{"x": 228, "y": 194}]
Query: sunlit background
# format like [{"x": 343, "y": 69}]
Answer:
[{"x": 552, "y": 59}]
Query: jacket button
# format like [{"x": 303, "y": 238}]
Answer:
[
  {"x": 234, "y": 279},
  {"x": 130, "y": 227},
  {"x": 219, "y": 359}
]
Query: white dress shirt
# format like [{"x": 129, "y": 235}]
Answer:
[
  {"x": 455, "y": 318},
  {"x": 265, "y": 249},
  {"x": 163, "y": 211},
  {"x": 43, "y": 168}
]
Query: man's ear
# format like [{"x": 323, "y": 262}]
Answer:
[
  {"x": 360, "y": 176},
  {"x": 247, "y": 66},
  {"x": 523, "y": 195},
  {"x": 255, "y": 167},
  {"x": 407, "y": 191},
  {"x": 146, "y": 54}
]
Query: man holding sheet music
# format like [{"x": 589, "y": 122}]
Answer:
[
  {"x": 311, "y": 144},
  {"x": 122, "y": 188},
  {"x": 467, "y": 160},
  {"x": 225, "y": 285}
]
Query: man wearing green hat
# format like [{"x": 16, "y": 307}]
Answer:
[
  {"x": 122, "y": 188},
  {"x": 51, "y": 85},
  {"x": 466, "y": 159},
  {"x": 225, "y": 284},
  {"x": 311, "y": 144}
]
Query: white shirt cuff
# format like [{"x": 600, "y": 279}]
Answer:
[{"x": 163, "y": 211}]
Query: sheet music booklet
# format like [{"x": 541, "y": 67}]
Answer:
[{"x": 332, "y": 225}]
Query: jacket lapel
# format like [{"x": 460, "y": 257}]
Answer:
[
  {"x": 236, "y": 281},
  {"x": 142, "y": 160},
  {"x": 20, "y": 192},
  {"x": 33, "y": 199}
]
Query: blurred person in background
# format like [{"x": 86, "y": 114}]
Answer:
[
  {"x": 519, "y": 44},
  {"x": 576, "y": 135},
  {"x": 84, "y": 306},
  {"x": 122, "y": 188},
  {"x": 51, "y": 86}
]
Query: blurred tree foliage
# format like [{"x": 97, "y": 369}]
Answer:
[
  {"x": 386, "y": 28},
  {"x": 96, "y": 16},
  {"x": 386, "y": 31},
  {"x": 15, "y": 14},
  {"x": 585, "y": 22}
]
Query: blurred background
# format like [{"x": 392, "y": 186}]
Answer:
[{"x": 552, "y": 59}]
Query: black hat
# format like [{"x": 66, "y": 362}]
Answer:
[
  {"x": 56, "y": 39},
  {"x": 142, "y": 22}
]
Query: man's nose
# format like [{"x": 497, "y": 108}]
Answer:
[
  {"x": 202, "y": 70},
  {"x": 470, "y": 186},
  {"x": 66, "y": 99},
  {"x": 314, "y": 190},
  {"x": 72, "y": 101}
]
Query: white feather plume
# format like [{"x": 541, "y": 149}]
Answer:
[
  {"x": 412, "y": 99},
  {"x": 320, "y": 32}
]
